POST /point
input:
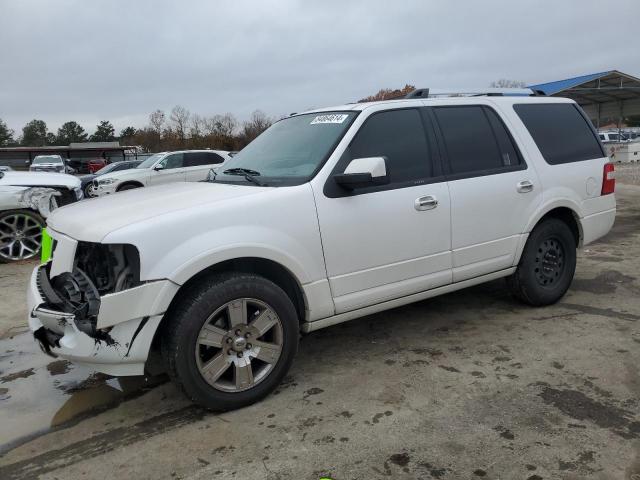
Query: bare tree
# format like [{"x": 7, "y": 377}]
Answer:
[
  {"x": 180, "y": 118},
  {"x": 196, "y": 130},
  {"x": 156, "y": 119},
  {"x": 221, "y": 125},
  {"x": 506, "y": 83},
  {"x": 253, "y": 127}
]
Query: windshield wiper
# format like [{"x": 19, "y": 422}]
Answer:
[
  {"x": 248, "y": 174},
  {"x": 241, "y": 171}
]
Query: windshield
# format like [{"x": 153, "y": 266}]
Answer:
[
  {"x": 47, "y": 159},
  {"x": 148, "y": 163},
  {"x": 290, "y": 151},
  {"x": 106, "y": 169}
]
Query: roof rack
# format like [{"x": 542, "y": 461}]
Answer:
[{"x": 486, "y": 92}]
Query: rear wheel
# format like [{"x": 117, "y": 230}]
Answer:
[
  {"x": 230, "y": 340},
  {"x": 20, "y": 235},
  {"x": 547, "y": 265}
]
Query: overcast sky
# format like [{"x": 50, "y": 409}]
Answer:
[{"x": 119, "y": 60}]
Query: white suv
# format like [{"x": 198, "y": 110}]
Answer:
[
  {"x": 327, "y": 216},
  {"x": 165, "y": 167}
]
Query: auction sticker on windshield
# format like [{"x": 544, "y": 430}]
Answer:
[{"x": 330, "y": 118}]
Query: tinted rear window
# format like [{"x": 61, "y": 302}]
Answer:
[
  {"x": 198, "y": 159},
  {"x": 560, "y": 131},
  {"x": 476, "y": 140}
]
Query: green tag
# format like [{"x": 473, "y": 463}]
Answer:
[{"x": 47, "y": 244}]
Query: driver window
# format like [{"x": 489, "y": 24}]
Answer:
[{"x": 173, "y": 161}]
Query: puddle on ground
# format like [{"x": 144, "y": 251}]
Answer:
[{"x": 39, "y": 393}]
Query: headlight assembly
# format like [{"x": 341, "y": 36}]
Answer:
[{"x": 106, "y": 181}]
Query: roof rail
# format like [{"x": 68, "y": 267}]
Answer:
[{"x": 489, "y": 92}]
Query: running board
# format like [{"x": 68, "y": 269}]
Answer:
[{"x": 308, "y": 327}]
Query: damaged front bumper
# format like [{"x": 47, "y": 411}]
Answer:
[{"x": 120, "y": 341}]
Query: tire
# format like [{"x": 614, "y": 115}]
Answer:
[
  {"x": 88, "y": 189},
  {"x": 547, "y": 265},
  {"x": 20, "y": 235},
  {"x": 211, "y": 303},
  {"x": 128, "y": 186}
]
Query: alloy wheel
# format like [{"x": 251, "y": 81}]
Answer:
[
  {"x": 20, "y": 236},
  {"x": 239, "y": 345},
  {"x": 90, "y": 190}
]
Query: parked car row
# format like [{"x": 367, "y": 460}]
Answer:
[
  {"x": 617, "y": 136},
  {"x": 87, "y": 180},
  {"x": 161, "y": 168},
  {"x": 26, "y": 199}
]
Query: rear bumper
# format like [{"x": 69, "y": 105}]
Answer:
[
  {"x": 597, "y": 225},
  {"x": 118, "y": 350}
]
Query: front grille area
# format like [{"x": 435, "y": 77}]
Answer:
[
  {"x": 46, "y": 169},
  {"x": 66, "y": 196}
]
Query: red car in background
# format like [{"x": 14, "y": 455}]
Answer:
[{"x": 96, "y": 164}]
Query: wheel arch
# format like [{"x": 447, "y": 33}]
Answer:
[
  {"x": 568, "y": 212},
  {"x": 129, "y": 182},
  {"x": 267, "y": 268}
]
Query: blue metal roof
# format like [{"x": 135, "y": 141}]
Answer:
[{"x": 550, "y": 88}]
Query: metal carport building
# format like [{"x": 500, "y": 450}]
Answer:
[{"x": 605, "y": 96}]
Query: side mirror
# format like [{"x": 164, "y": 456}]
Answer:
[
  {"x": 158, "y": 167},
  {"x": 363, "y": 172}
]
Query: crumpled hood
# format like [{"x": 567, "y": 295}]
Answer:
[
  {"x": 91, "y": 220},
  {"x": 39, "y": 179}
]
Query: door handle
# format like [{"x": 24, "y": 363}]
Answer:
[
  {"x": 428, "y": 202},
  {"x": 524, "y": 186}
]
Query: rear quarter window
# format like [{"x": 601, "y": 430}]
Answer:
[{"x": 561, "y": 131}]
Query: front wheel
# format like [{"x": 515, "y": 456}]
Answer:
[
  {"x": 90, "y": 190},
  {"x": 230, "y": 340},
  {"x": 547, "y": 265}
]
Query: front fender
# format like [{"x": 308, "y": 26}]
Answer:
[{"x": 182, "y": 262}]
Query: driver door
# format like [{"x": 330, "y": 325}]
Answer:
[
  {"x": 173, "y": 170},
  {"x": 388, "y": 241}
]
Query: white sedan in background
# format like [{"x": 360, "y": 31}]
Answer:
[{"x": 165, "y": 167}]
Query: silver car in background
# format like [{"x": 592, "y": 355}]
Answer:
[{"x": 50, "y": 163}]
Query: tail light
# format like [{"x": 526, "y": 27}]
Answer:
[{"x": 608, "y": 179}]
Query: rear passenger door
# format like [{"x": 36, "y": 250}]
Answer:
[
  {"x": 172, "y": 171},
  {"x": 493, "y": 191},
  {"x": 387, "y": 241},
  {"x": 198, "y": 164}
]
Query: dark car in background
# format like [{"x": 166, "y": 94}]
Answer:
[{"x": 87, "y": 180}]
